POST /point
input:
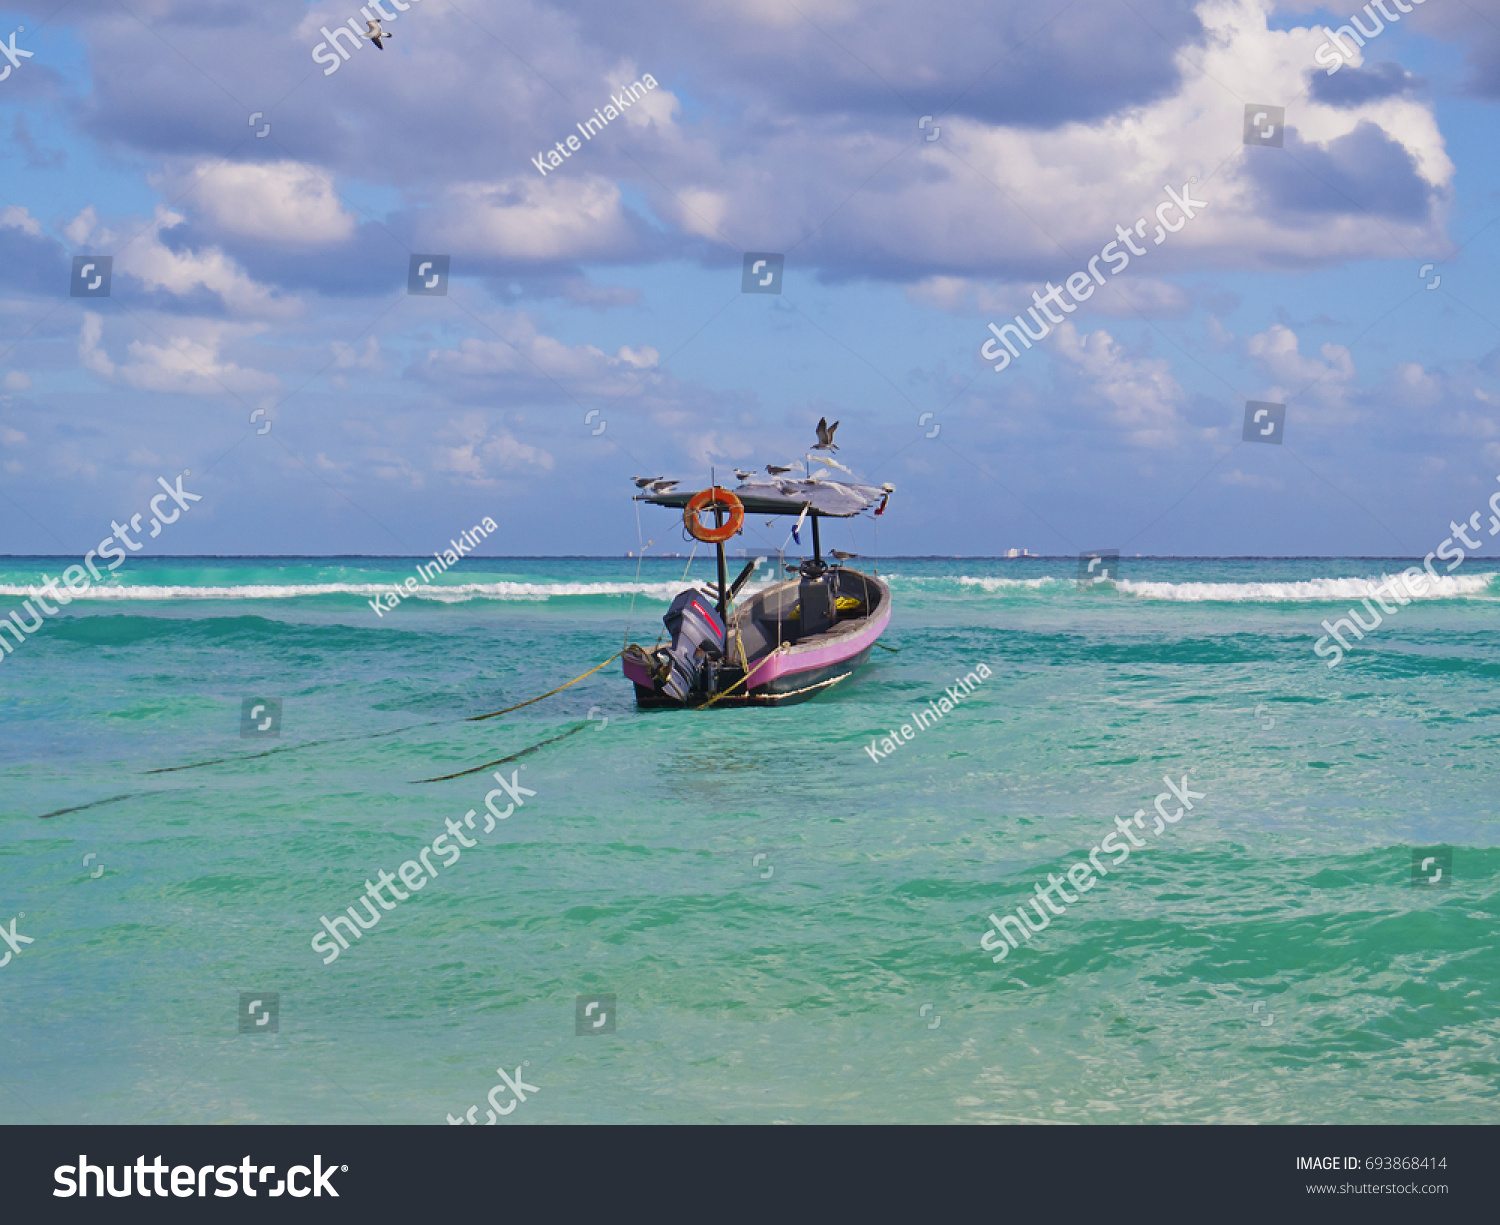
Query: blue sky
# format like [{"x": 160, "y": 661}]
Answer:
[{"x": 267, "y": 274}]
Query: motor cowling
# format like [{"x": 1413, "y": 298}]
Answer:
[{"x": 697, "y": 637}]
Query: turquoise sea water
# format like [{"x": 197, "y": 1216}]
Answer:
[{"x": 772, "y": 909}]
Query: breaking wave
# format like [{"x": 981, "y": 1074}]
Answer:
[
  {"x": 453, "y": 593},
  {"x": 1332, "y": 590},
  {"x": 1308, "y": 591}
]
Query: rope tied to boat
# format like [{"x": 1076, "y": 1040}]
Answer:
[
  {"x": 780, "y": 650},
  {"x": 548, "y": 694},
  {"x": 292, "y": 748}
]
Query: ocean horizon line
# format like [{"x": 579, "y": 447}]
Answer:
[{"x": 1064, "y": 557}]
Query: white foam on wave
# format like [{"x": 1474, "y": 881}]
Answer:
[
  {"x": 1009, "y": 584},
  {"x": 1333, "y": 590},
  {"x": 1463, "y": 586},
  {"x": 453, "y": 593},
  {"x": 1309, "y": 591}
]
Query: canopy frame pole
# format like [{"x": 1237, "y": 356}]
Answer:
[{"x": 723, "y": 573}]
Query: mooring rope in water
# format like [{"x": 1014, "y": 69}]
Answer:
[
  {"x": 129, "y": 795},
  {"x": 548, "y": 694},
  {"x": 291, "y": 748},
  {"x": 745, "y": 665},
  {"x": 443, "y": 778}
]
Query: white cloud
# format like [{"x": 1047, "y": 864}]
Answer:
[
  {"x": 17, "y": 380},
  {"x": 571, "y": 216},
  {"x": 481, "y": 453},
  {"x": 1250, "y": 481},
  {"x": 347, "y": 356},
  {"x": 1126, "y": 298},
  {"x": 286, "y": 203},
  {"x": 992, "y": 196},
  {"x": 1414, "y": 387},
  {"x": 1327, "y": 381},
  {"x": 183, "y": 272},
  {"x": 183, "y": 364},
  {"x": 528, "y": 353},
  {"x": 18, "y": 218},
  {"x": 1137, "y": 396},
  {"x": 78, "y": 230}
]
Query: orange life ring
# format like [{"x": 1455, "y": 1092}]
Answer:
[{"x": 717, "y": 497}]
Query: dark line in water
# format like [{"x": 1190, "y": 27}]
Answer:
[
  {"x": 292, "y": 748},
  {"x": 442, "y": 778},
  {"x": 93, "y": 804}
]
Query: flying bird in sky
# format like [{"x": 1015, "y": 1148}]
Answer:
[
  {"x": 825, "y": 435},
  {"x": 375, "y": 34}
]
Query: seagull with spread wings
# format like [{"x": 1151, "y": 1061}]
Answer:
[
  {"x": 825, "y": 435},
  {"x": 375, "y": 34}
]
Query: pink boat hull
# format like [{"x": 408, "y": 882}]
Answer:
[{"x": 790, "y": 673}]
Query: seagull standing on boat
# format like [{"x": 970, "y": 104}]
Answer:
[
  {"x": 825, "y": 435},
  {"x": 742, "y": 474},
  {"x": 375, "y": 34},
  {"x": 662, "y": 486},
  {"x": 778, "y": 469},
  {"x": 841, "y": 555},
  {"x": 641, "y": 482}
]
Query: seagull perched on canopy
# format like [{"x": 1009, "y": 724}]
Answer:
[
  {"x": 841, "y": 555},
  {"x": 642, "y": 481},
  {"x": 375, "y": 34},
  {"x": 660, "y": 486},
  {"x": 825, "y": 435},
  {"x": 742, "y": 474},
  {"x": 778, "y": 469}
]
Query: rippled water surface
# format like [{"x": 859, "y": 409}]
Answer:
[{"x": 772, "y": 909}]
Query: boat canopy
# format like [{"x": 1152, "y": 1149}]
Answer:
[{"x": 834, "y": 499}]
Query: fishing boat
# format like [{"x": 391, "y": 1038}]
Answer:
[{"x": 789, "y": 641}]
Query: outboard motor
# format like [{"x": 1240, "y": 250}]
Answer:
[{"x": 696, "y": 633}]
